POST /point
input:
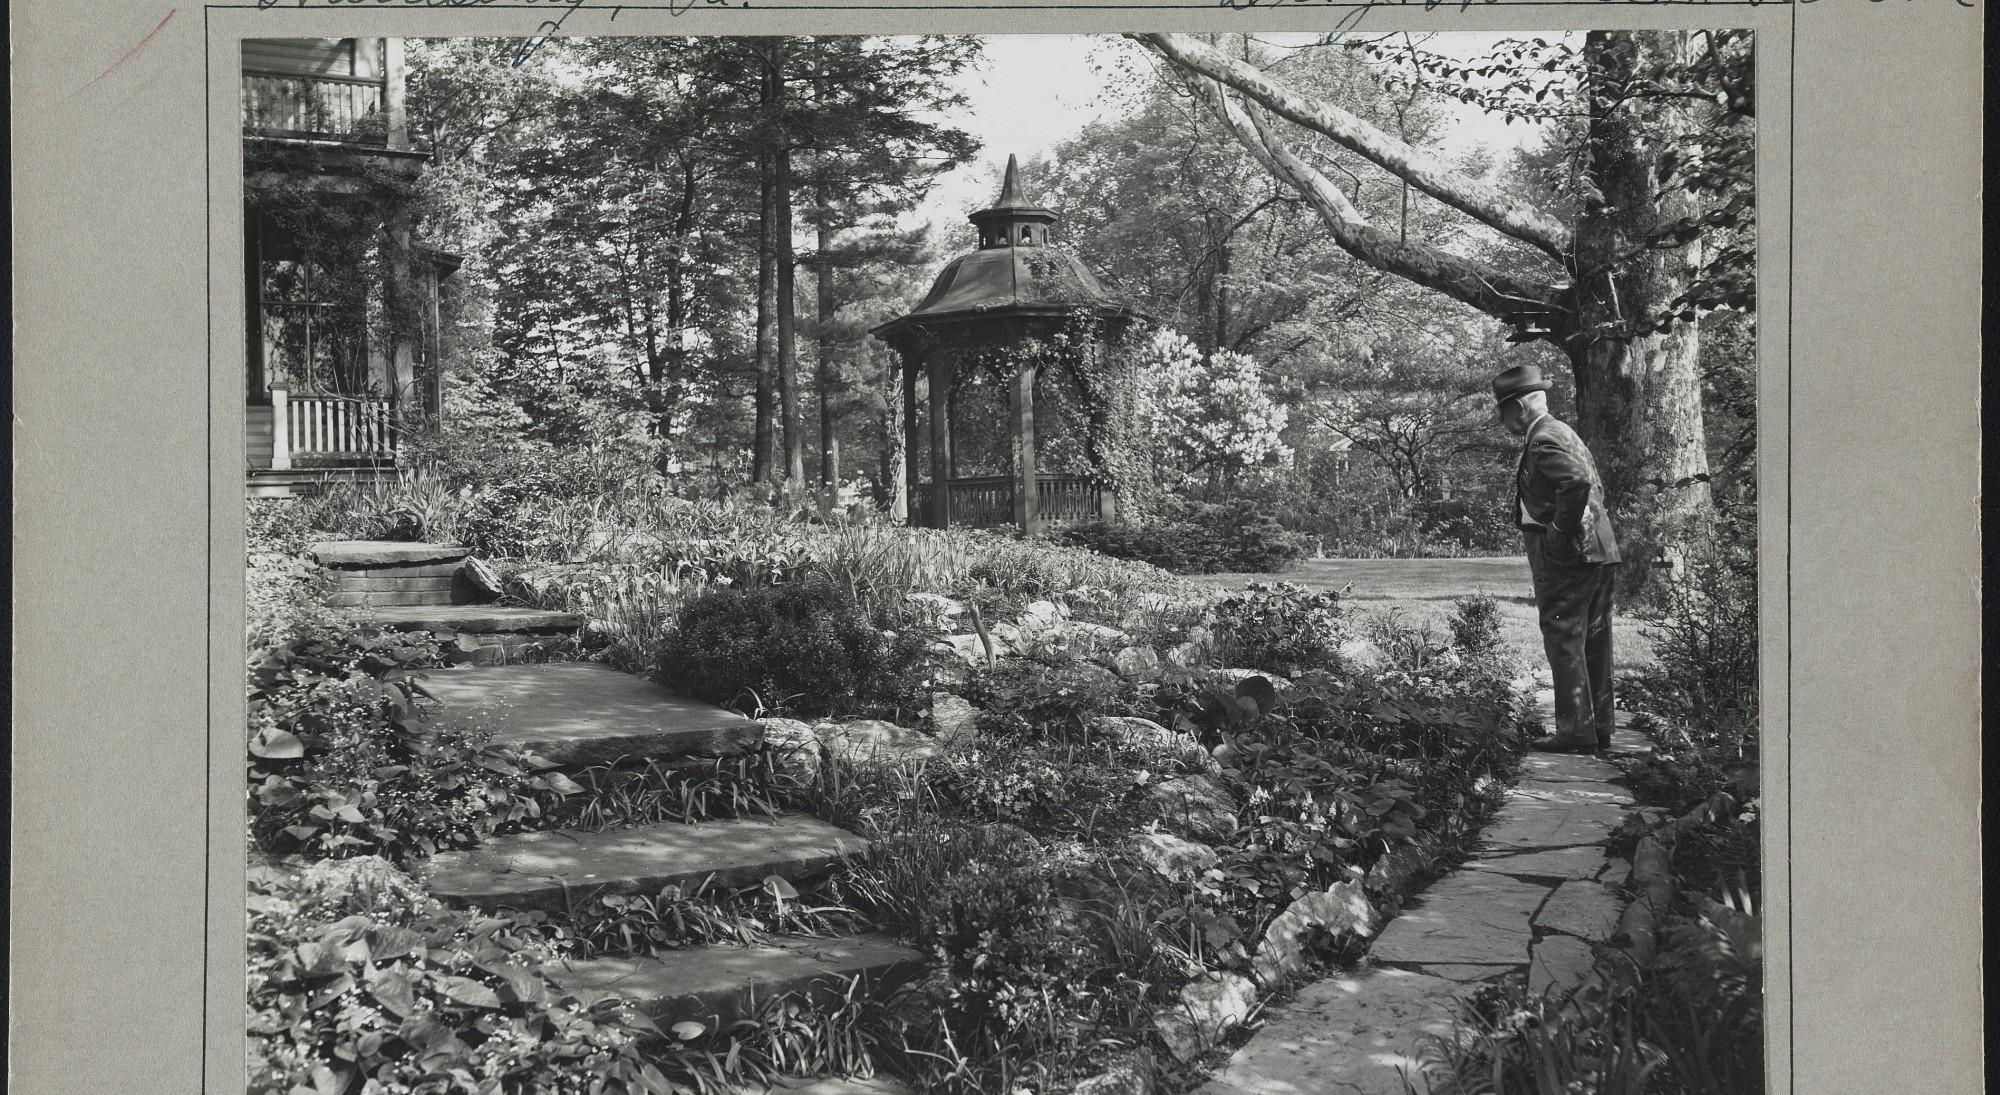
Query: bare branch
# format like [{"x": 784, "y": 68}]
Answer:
[
  {"x": 1516, "y": 300},
  {"x": 1473, "y": 197}
]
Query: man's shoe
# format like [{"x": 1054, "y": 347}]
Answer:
[{"x": 1553, "y": 744}]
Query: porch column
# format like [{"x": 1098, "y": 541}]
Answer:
[
  {"x": 281, "y": 427},
  {"x": 1021, "y": 415},
  {"x": 403, "y": 310},
  {"x": 905, "y": 501},
  {"x": 394, "y": 103},
  {"x": 940, "y": 393}
]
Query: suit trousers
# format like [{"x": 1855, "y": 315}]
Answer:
[{"x": 1574, "y": 601}]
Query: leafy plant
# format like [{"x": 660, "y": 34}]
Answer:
[
  {"x": 1197, "y": 538},
  {"x": 359, "y": 982},
  {"x": 1282, "y": 628},
  {"x": 341, "y": 763}
]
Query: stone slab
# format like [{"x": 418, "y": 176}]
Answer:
[
  {"x": 1574, "y": 791},
  {"x": 1465, "y": 918},
  {"x": 1465, "y": 973},
  {"x": 1545, "y": 707},
  {"x": 1350, "y": 1034},
  {"x": 1627, "y": 742},
  {"x": 1525, "y": 823},
  {"x": 1571, "y": 767},
  {"x": 390, "y": 598},
  {"x": 475, "y": 619},
  {"x": 716, "y": 985},
  {"x": 575, "y": 713},
  {"x": 1587, "y": 910},
  {"x": 363, "y": 582},
  {"x": 363, "y": 553},
  {"x": 1554, "y": 863},
  {"x": 832, "y": 1085},
  {"x": 1560, "y": 963},
  {"x": 549, "y": 870}
]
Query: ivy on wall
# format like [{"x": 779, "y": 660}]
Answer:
[{"x": 329, "y": 214}]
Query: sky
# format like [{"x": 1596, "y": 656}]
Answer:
[{"x": 1036, "y": 90}]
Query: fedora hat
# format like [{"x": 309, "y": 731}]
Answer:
[{"x": 1519, "y": 381}]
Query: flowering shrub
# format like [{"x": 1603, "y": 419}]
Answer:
[{"x": 1207, "y": 413}]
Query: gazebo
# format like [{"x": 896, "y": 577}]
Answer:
[{"x": 1013, "y": 299}]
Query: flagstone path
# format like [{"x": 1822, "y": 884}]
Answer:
[{"x": 1538, "y": 894}]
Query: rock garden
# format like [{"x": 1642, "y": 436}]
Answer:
[{"x": 940, "y": 809}]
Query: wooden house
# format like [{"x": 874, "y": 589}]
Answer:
[{"x": 341, "y": 316}]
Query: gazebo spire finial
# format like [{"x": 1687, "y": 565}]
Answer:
[{"x": 1010, "y": 186}]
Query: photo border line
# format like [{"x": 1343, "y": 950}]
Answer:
[{"x": 680, "y": 7}]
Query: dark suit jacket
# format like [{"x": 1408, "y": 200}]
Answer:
[{"x": 1561, "y": 497}]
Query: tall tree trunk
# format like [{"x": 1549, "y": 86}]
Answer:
[
  {"x": 1638, "y": 395},
  {"x": 787, "y": 268},
  {"x": 763, "y": 444},
  {"x": 823, "y": 365}
]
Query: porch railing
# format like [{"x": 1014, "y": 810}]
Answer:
[
  {"x": 987, "y": 501},
  {"x": 324, "y": 429},
  {"x": 347, "y": 108}
]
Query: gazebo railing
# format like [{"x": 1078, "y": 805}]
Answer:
[
  {"x": 987, "y": 501},
  {"x": 1067, "y": 499}
]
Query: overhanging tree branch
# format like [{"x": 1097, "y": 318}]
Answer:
[
  {"x": 1479, "y": 200},
  {"x": 1526, "y": 304}
]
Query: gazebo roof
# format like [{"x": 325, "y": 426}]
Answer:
[{"x": 1015, "y": 274}]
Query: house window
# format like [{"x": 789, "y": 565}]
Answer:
[{"x": 309, "y": 314}]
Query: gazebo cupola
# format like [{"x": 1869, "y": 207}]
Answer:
[
  {"x": 1012, "y": 222},
  {"x": 1006, "y": 301}
]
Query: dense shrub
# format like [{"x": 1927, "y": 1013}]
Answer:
[
  {"x": 1481, "y": 523},
  {"x": 1282, "y": 628},
  {"x": 1197, "y": 538},
  {"x": 360, "y": 982},
  {"x": 806, "y": 648},
  {"x": 1703, "y": 684},
  {"x": 341, "y": 763}
]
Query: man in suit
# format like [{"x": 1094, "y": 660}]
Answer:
[{"x": 1573, "y": 555}]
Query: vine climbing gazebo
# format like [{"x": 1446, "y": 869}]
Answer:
[{"x": 1011, "y": 311}]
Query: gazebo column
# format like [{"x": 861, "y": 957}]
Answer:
[
  {"x": 940, "y": 376},
  {"x": 906, "y": 497},
  {"x": 1021, "y": 415}
]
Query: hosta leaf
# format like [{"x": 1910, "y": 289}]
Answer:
[
  {"x": 273, "y": 744},
  {"x": 689, "y": 1031},
  {"x": 469, "y": 992},
  {"x": 393, "y": 941},
  {"x": 559, "y": 783},
  {"x": 392, "y": 991}
]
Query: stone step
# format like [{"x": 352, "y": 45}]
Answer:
[
  {"x": 552, "y": 870},
  {"x": 716, "y": 985},
  {"x": 384, "y": 554},
  {"x": 479, "y": 634},
  {"x": 576, "y": 713},
  {"x": 830, "y": 1085}
]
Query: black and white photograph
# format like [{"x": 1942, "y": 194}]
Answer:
[{"x": 1013, "y": 563}]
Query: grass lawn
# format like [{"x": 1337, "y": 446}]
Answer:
[{"x": 1420, "y": 592}]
